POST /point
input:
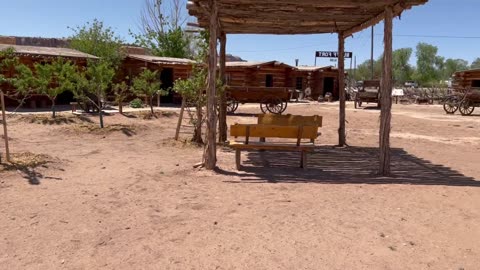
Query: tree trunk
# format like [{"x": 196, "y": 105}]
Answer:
[
  {"x": 386, "y": 96},
  {"x": 222, "y": 122},
  {"x": 53, "y": 107},
  {"x": 120, "y": 107},
  {"x": 151, "y": 105},
  {"x": 197, "y": 133},
  {"x": 341, "y": 89},
  {"x": 210, "y": 154},
  {"x": 100, "y": 114},
  {"x": 5, "y": 133}
]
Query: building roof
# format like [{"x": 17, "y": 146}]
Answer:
[
  {"x": 296, "y": 16},
  {"x": 254, "y": 63},
  {"x": 162, "y": 60},
  {"x": 47, "y": 51}
]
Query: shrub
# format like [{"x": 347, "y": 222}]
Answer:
[{"x": 136, "y": 103}]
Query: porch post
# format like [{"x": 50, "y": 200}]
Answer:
[
  {"x": 222, "y": 122},
  {"x": 210, "y": 154},
  {"x": 386, "y": 96},
  {"x": 341, "y": 88}
]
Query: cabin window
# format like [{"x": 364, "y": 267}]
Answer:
[
  {"x": 269, "y": 80},
  {"x": 299, "y": 83},
  {"x": 476, "y": 83}
]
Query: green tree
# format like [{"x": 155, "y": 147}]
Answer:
[
  {"x": 453, "y": 65},
  {"x": 96, "y": 39},
  {"x": 475, "y": 64},
  {"x": 402, "y": 70},
  {"x": 162, "y": 31},
  {"x": 92, "y": 84},
  {"x": 429, "y": 65},
  {"x": 147, "y": 84},
  {"x": 16, "y": 76},
  {"x": 121, "y": 91},
  {"x": 54, "y": 78},
  {"x": 364, "y": 70}
]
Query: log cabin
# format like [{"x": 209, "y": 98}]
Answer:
[
  {"x": 169, "y": 69},
  {"x": 466, "y": 79},
  {"x": 30, "y": 55},
  {"x": 321, "y": 80},
  {"x": 259, "y": 74}
]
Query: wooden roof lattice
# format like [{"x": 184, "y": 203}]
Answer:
[{"x": 297, "y": 16}]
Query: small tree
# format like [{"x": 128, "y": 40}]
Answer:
[
  {"x": 162, "y": 26},
  {"x": 54, "y": 78},
  {"x": 97, "y": 39},
  {"x": 93, "y": 83},
  {"x": 192, "y": 93},
  {"x": 16, "y": 76},
  {"x": 121, "y": 91},
  {"x": 147, "y": 84}
]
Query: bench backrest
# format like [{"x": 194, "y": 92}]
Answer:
[
  {"x": 274, "y": 131},
  {"x": 289, "y": 120}
]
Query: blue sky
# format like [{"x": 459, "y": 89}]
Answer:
[{"x": 430, "y": 23}]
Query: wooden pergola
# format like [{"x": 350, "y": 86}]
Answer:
[{"x": 288, "y": 17}]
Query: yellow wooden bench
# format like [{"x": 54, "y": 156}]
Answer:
[
  {"x": 280, "y": 128},
  {"x": 290, "y": 120}
]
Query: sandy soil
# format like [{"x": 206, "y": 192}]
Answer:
[{"x": 128, "y": 197}]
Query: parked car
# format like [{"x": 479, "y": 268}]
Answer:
[{"x": 411, "y": 84}]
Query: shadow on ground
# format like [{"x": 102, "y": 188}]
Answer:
[{"x": 351, "y": 165}]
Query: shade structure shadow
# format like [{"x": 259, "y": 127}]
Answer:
[{"x": 350, "y": 165}]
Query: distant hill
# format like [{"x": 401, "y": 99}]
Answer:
[
  {"x": 34, "y": 41},
  {"x": 233, "y": 58}
]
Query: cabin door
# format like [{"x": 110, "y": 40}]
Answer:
[
  {"x": 329, "y": 85},
  {"x": 166, "y": 78}
]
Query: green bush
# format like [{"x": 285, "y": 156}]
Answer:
[{"x": 136, "y": 103}]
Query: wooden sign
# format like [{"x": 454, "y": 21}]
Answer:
[{"x": 328, "y": 54}]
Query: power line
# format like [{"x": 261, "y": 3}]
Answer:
[{"x": 434, "y": 36}]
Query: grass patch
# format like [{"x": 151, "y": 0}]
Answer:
[
  {"x": 24, "y": 161},
  {"x": 128, "y": 130}
]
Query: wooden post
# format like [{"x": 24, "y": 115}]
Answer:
[
  {"x": 341, "y": 88},
  {"x": 180, "y": 120},
  {"x": 222, "y": 122},
  {"x": 210, "y": 154},
  {"x": 386, "y": 95},
  {"x": 5, "y": 133}
]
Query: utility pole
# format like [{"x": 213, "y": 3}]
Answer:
[{"x": 371, "y": 56}]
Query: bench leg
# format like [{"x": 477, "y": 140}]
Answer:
[
  {"x": 237, "y": 159},
  {"x": 303, "y": 161}
]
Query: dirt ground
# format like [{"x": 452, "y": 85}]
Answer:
[{"x": 128, "y": 197}]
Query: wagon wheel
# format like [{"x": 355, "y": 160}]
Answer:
[
  {"x": 273, "y": 105},
  {"x": 232, "y": 105},
  {"x": 284, "y": 106},
  {"x": 450, "y": 105},
  {"x": 466, "y": 108}
]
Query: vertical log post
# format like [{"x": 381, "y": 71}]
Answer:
[
  {"x": 386, "y": 96},
  {"x": 210, "y": 154},
  {"x": 341, "y": 88},
  {"x": 222, "y": 123},
  {"x": 5, "y": 133}
]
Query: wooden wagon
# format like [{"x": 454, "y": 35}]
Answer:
[
  {"x": 368, "y": 92},
  {"x": 466, "y": 85},
  {"x": 271, "y": 99}
]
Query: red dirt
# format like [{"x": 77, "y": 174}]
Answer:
[{"x": 128, "y": 198}]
